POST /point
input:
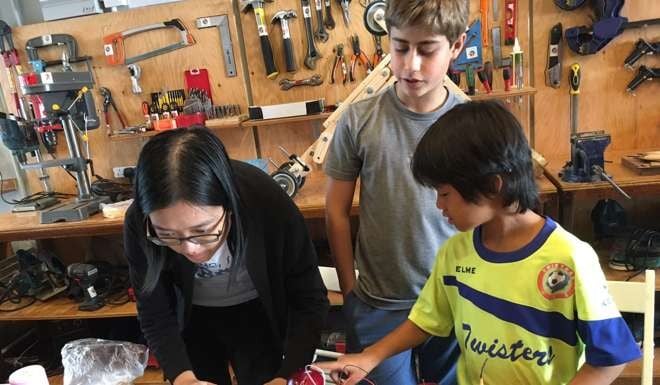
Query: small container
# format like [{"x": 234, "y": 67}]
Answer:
[
  {"x": 517, "y": 63},
  {"x": 29, "y": 375}
]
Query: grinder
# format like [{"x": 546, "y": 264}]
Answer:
[{"x": 85, "y": 275}]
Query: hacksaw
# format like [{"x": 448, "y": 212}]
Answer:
[{"x": 113, "y": 44}]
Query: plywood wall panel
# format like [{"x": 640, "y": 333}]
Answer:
[
  {"x": 266, "y": 92},
  {"x": 161, "y": 73},
  {"x": 632, "y": 120}
]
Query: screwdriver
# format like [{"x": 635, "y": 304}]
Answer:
[
  {"x": 483, "y": 77},
  {"x": 455, "y": 77},
  {"x": 506, "y": 75},
  {"x": 469, "y": 78}
]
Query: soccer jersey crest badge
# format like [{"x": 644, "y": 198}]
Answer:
[{"x": 556, "y": 280}]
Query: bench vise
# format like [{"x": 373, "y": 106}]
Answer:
[{"x": 587, "y": 152}]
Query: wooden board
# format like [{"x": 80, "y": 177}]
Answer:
[
  {"x": 164, "y": 72},
  {"x": 151, "y": 376},
  {"x": 639, "y": 166},
  {"x": 633, "y": 121},
  {"x": 266, "y": 92}
]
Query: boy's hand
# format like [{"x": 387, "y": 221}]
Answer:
[{"x": 349, "y": 369}]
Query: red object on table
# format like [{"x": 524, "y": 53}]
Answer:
[
  {"x": 307, "y": 376},
  {"x": 187, "y": 120}
]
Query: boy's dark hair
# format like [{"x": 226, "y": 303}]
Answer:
[
  {"x": 441, "y": 17},
  {"x": 189, "y": 165},
  {"x": 472, "y": 144}
]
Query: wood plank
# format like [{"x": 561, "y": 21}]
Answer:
[
  {"x": 501, "y": 94},
  {"x": 622, "y": 175},
  {"x": 285, "y": 121},
  {"x": 164, "y": 72},
  {"x": 152, "y": 376},
  {"x": 310, "y": 200},
  {"x": 267, "y": 92},
  {"x": 19, "y": 226},
  {"x": 62, "y": 309},
  {"x": 619, "y": 275}
]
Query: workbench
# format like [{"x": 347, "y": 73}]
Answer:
[
  {"x": 23, "y": 226},
  {"x": 631, "y": 182}
]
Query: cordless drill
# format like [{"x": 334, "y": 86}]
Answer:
[{"x": 85, "y": 275}]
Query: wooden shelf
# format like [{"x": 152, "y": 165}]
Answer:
[
  {"x": 228, "y": 123},
  {"x": 20, "y": 226},
  {"x": 310, "y": 200},
  {"x": 123, "y": 137},
  {"x": 293, "y": 119},
  {"x": 151, "y": 376},
  {"x": 620, "y": 275},
  {"x": 501, "y": 94},
  {"x": 62, "y": 309}
]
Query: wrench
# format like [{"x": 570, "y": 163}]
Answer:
[
  {"x": 312, "y": 54},
  {"x": 286, "y": 84},
  {"x": 329, "y": 20},
  {"x": 320, "y": 33}
]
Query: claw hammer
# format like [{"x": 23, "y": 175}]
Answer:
[{"x": 262, "y": 29}]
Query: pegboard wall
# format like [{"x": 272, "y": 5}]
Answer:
[{"x": 633, "y": 121}]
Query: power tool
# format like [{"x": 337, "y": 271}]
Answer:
[
  {"x": 84, "y": 275},
  {"x": 291, "y": 174}
]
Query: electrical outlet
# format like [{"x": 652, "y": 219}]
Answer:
[{"x": 118, "y": 172}]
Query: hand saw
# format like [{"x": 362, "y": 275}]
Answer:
[{"x": 113, "y": 44}]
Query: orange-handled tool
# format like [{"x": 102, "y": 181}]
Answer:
[{"x": 484, "y": 22}]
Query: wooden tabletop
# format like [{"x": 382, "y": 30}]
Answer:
[
  {"x": 152, "y": 376},
  {"x": 19, "y": 226},
  {"x": 622, "y": 175},
  {"x": 310, "y": 200},
  {"x": 62, "y": 308}
]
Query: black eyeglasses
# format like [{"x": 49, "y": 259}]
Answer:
[{"x": 200, "y": 239}]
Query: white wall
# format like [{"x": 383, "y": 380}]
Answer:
[{"x": 20, "y": 12}]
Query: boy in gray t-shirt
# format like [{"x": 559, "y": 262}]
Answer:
[{"x": 399, "y": 231}]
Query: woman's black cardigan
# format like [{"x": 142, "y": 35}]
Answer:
[{"x": 280, "y": 260}]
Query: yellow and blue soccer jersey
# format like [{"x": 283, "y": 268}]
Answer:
[{"x": 532, "y": 316}]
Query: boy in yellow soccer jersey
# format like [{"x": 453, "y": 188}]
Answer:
[{"x": 526, "y": 299}]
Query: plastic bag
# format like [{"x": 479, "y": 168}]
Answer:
[
  {"x": 115, "y": 210},
  {"x": 92, "y": 361}
]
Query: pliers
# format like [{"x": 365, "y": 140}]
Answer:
[
  {"x": 339, "y": 63},
  {"x": 107, "y": 102},
  {"x": 358, "y": 55},
  {"x": 379, "y": 54}
]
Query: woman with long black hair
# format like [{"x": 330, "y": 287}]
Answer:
[{"x": 222, "y": 265}]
